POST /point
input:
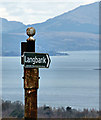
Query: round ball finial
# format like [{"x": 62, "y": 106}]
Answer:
[{"x": 30, "y": 31}]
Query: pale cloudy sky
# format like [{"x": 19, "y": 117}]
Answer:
[{"x": 36, "y": 11}]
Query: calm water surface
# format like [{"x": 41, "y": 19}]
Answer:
[{"x": 70, "y": 81}]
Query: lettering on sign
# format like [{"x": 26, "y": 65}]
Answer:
[{"x": 36, "y": 60}]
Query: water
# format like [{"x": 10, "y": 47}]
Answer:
[{"x": 70, "y": 81}]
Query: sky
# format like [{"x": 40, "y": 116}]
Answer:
[{"x": 37, "y": 11}]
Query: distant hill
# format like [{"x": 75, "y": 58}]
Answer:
[
  {"x": 74, "y": 30},
  {"x": 82, "y": 19}
]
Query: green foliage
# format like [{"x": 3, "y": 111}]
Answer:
[
  {"x": 18, "y": 113},
  {"x": 12, "y": 109}
]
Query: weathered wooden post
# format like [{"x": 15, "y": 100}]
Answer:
[{"x": 32, "y": 62}]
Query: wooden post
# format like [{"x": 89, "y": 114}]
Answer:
[
  {"x": 31, "y": 86},
  {"x": 31, "y": 73},
  {"x": 31, "y": 79}
]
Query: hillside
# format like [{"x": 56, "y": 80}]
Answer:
[{"x": 74, "y": 30}]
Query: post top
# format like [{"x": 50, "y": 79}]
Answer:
[{"x": 30, "y": 31}]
